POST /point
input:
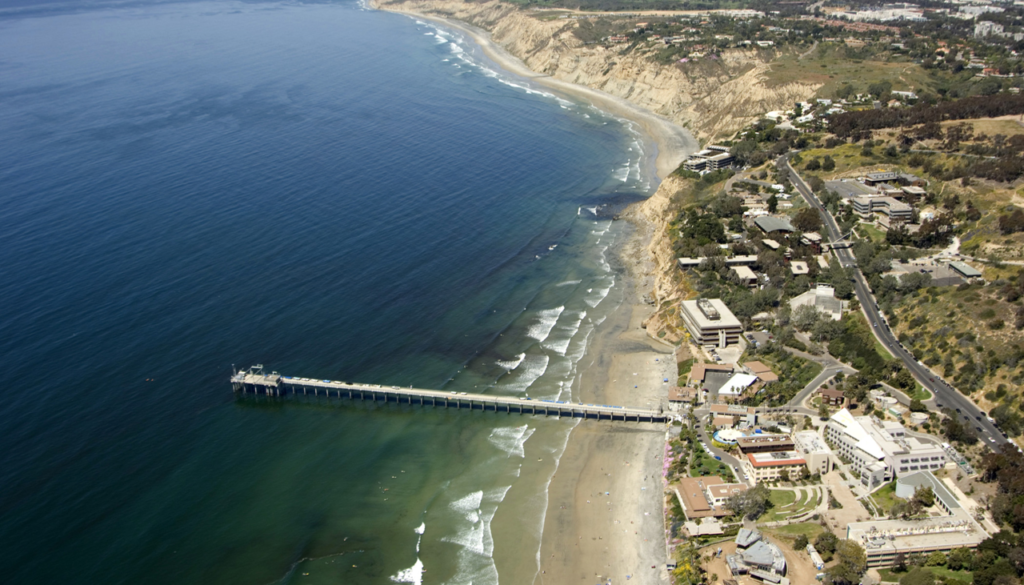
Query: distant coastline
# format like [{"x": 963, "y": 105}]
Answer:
[{"x": 674, "y": 143}]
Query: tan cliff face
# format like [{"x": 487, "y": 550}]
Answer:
[
  {"x": 668, "y": 287},
  {"x": 713, "y": 98}
]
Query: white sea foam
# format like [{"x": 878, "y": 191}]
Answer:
[
  {"x": 413, "y": 574},
  {"x": 621, "y": 174},
  {"x": 510, "y": 365},
  {"x": 469, "y": 506},
  {"x": 564, "y": 332},
  {"x": 533, "y": 367},
  {"x": 546, "y": 320},
  {"x": 569, "y": 283},
  {"x": 511, "y": 440},
  {"x": 599, "y": 293}
]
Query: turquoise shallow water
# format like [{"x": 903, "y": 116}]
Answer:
[{"x": 332, "y": 192}]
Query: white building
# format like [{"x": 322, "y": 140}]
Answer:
[
  {"x": 710, "y": 322},
  {"x": 823, "y": 298},
  {"x": 880, "y": 450},
  {"x": 769, "y": 466},
  {"x": 815, "y": 451}
]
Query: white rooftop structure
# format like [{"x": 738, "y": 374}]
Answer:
[
  {"x": 821, "y": 297},
  {"x": 737, "y": 384},
  {"x": 880, "y": 450}
]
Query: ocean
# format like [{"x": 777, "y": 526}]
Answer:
[{"x": 329, "y": 191}]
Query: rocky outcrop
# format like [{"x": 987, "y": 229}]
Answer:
[{"x": 711, "y": 98}]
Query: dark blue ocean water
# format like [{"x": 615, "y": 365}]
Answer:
[{"x": 332, "y": 192}]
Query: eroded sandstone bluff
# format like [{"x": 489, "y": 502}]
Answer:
[{"x": 711, "y": 98}]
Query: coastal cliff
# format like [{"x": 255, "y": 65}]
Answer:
[{"x": 711, "y": 98}]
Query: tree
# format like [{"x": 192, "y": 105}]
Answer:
[
  {"x": 899, "y": 564},
  {"x": 936, "y": 559},
  {"x": 801, "y": 542},
  {"x": 826, "y": 543},
  {"x": 751, "y": 503},
  {"x": 813, "y": 164},
  {"x": 823, "y": 410},
  {"x": 828, "y": 163},
  {"x": 784, "y": 475},
  {"x": 917, "y": 406},
  {"x": 851, "y": 564},
  {"x": 960, "y": 558},
  {"x": 773, "y": 203},
  {"x": 807, "y": 220},
  {"x": 805, "y": 317},
  {"x": 925, "y": 496}
]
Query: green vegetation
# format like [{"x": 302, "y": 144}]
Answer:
[
  {"x": 752, "y": 503},
  {"x": 794, "y": 374},
  {"x": 885, "y": 497},
  {"x": 786, "y": 504},
  {"x": 809, "y": 530}
]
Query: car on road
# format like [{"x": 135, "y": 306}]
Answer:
[
  {"x": 978, "y": 429},
  {"x": 718, "y": 457}
]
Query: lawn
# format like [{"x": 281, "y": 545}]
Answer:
[
  {"x": 809, "y": 529},
  {"x": 965, "y": 576},
  {"x": 874, "y": 234},
  {"x": 921, "y": 394},
  {"x": 704, "y": 464},
  {"x": 885, "y": 497},
  {"x": 787, "y": 504}
]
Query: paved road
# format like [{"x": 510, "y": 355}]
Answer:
[
  {"x": 703, "y": 437},
  {"x": 944, "y": 394}
]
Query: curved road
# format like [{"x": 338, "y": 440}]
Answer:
[{"x": 945, "y": 395}]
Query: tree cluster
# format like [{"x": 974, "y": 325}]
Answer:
[
  {"x": 850, "y": 123},
  {"x": 750, "y": 504}
]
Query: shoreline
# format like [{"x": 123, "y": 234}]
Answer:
[
  {"x": 586, "y": 534},
  {"x": 673, "y": 142}
]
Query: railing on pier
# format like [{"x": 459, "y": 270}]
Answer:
[{"x": 255, "y": 381}]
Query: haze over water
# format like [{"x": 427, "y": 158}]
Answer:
[{"x": 333, "y": 192}]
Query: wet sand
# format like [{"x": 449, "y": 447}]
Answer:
[{"x": 605, "y": 516}]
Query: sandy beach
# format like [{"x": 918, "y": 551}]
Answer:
[
  {"x": 605, "y": 516},
  {"x": 673, "y": 142}
]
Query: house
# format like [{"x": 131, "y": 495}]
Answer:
[
  {"x": 699, "y": 371},
  {"x": 799, "y": 267},
  {"x": 745, "y": 275},
  {"x": 832, "y": 396},
  {"x": 812, "y": 239},
  {"x": 770, "y": 224},
  {"x": 763, "y": 372},
  {"x": 873, "y": 179},
  {"x": 965, "y": 270},
  {"x": 678, "y": 396}
]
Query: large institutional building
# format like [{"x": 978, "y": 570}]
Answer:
[
  {"x": 954, "y": 527},
  {"x": 880, "y": 450},
  {"x": 711, "y": 323}
]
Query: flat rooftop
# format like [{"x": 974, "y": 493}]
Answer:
[
  {"x": 775, "y": 459},
  {"x": 894, "y": 536},
  {"x": 725, "y": 317}
]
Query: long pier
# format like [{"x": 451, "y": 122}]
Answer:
[{"x": 255, "y": 381}]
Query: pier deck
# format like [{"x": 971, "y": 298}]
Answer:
[{"x": 274, "y": 384}]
